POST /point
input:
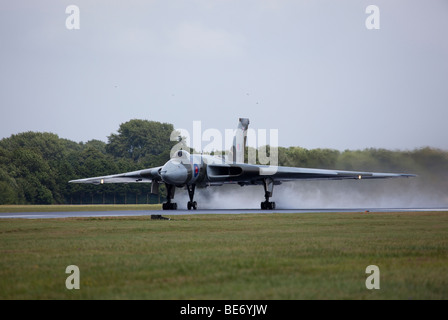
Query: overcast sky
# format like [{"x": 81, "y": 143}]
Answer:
[{"x": 310, "y": 69}]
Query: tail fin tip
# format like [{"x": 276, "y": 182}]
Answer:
[{"x": 239, "y": 141}]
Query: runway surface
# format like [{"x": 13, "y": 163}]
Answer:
[{"x": 81, "y": 214}]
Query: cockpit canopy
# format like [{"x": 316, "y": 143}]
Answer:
[{"x": 181, "y": 156}]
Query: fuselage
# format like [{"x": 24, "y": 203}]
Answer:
[{"x": 185, "y": 168}]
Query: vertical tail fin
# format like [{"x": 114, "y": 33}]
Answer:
[{"x": 236, "y": 154}]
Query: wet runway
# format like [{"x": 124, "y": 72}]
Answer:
[{"x": 81, "y": 214}]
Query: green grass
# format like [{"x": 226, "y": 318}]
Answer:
[{"x": 250, "y": 256}]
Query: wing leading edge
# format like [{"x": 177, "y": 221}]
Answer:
[
  {"x": 147, "y": 175},
  {"x": 288, "y": 173}
]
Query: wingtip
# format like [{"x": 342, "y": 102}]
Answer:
[{"x": 75, "y": 181}]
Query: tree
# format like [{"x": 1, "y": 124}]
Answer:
[
  {"x": 34, "y": 175},
  {"x": 145, "y": 142},
  {"x": 34, "y": 167},
  {"x": 8, "y": 188}
]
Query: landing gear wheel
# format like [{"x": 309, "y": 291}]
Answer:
[
  {"x": 268, "y": 184},
  {"x": 192, "y": 205},
  {"x": 266, "y": 205},
  {"x": 169, "y": 206}
]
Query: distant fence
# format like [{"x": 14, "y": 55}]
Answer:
[{"x": 113, "y": 198}]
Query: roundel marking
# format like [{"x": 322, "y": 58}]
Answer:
[{"x": 196, "y": 170}]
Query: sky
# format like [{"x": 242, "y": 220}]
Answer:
[{"x": 310, "y": 69}]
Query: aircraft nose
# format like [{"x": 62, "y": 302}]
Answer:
[{"x": 174, "y": 173}]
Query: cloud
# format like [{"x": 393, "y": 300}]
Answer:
[{"x": 197, "y": 40}]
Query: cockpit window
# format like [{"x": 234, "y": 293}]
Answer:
[{"x": 180, "y": 155}]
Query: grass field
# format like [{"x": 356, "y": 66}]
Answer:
[
  {"x": 250, "y": 256},
  {"x": 77, "y": 208}
]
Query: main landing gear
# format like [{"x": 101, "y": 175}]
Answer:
[
  {"x": 268, "y": 185},
  {"x": 168, "y": 205}
]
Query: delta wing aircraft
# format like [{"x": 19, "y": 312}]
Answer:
[{"x": 185, "y": 170}]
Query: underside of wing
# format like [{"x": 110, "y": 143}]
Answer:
[
  {"x": 253, "y": 174},
  {"x": 147, "y": 175}
]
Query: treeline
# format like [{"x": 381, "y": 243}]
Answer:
[
  {"x": 35, "y": 167},
  {"x": 431, "y": 165}
]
